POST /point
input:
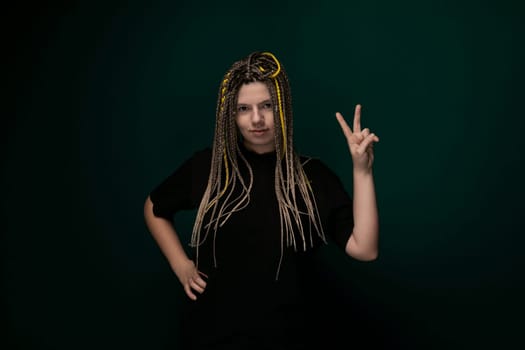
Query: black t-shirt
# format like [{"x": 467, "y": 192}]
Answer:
[{"x": 243, "y": 301}]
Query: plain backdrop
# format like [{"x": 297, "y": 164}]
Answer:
[{"x": 105, "y": 99}]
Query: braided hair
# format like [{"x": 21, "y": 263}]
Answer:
[{"x": 291, "y": 183}]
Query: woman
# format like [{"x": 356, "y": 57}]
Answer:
[{"x": 262, "y": 213}]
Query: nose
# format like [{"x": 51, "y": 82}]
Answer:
[{"x": 257, "y": 116}]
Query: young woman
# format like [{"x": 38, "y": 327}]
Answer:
[{"x": 263, "y": 210}]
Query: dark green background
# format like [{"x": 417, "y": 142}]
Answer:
[{"x": 109, "y": 99}]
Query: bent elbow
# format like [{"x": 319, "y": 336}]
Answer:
[
  {"x": 362, "y": 252},
  {"x": 363, "y": 255},
  {"x": 371, "y": 256}
]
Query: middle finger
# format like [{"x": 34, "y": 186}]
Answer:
[{"x": 357, "y": 118}]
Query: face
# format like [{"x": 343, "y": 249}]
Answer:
[{"x": 254, "y": 117}]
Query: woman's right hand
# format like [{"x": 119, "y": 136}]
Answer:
[{"x": 191, "y": 279}]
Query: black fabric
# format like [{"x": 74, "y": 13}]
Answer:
[{"x": 244, "y": 303}]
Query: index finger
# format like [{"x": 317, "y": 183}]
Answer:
[
  {"x": 344, "y": 126},
  {"x": 357, "y": 118}
]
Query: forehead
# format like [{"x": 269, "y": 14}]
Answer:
[{"x": 253, "y": 93}]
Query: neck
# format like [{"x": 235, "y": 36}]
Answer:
[{"x": 259, "y": 149}]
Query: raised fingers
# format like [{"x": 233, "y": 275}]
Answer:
[
  {"x": 357, "y": 118},
  {"x": 344, "y": 126}
]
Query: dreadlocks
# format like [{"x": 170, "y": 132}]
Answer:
[{"x": 291, "y": 183}]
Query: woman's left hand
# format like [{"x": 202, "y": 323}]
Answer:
[{"x": 360, "y": 142}]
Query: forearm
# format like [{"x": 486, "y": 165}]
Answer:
[
  {"x": 165, "y": 235},
  {"x": 363, "y": 243}
]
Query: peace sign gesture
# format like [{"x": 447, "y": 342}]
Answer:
[{"x": 360, "y": 142}]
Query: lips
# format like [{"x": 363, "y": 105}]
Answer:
[{"x": 259, "y": 131}]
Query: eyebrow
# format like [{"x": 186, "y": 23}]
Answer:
[{"x": 260, "y": 103}]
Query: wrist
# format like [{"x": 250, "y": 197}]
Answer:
[
  {"x": 362, "y": 172},
  {"x": 179, "y": 262}
]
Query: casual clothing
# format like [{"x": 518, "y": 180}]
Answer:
[{"x": 243, "y": 302}]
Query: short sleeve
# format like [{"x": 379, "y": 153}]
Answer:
[
  {"x": 183, "y": 189},
  {"x": 333, "y": 202}
]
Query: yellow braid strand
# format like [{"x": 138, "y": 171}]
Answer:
[
  {"x": 281, "y": 114},
  {"x": 276, "y": 62}
]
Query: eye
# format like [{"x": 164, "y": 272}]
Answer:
[
  {"x": 267, "y": 105},
  {"x": 242, "y": 108}
]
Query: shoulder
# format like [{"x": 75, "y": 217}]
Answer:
[
  {"x": 322, "y": 177},
  {"x": 195, "y": 162},
  {"x": 329, "y": 188},
  {"x": 315, "y": 167}
]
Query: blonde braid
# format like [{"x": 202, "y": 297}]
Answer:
[{"x": 291, "y": 182}]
